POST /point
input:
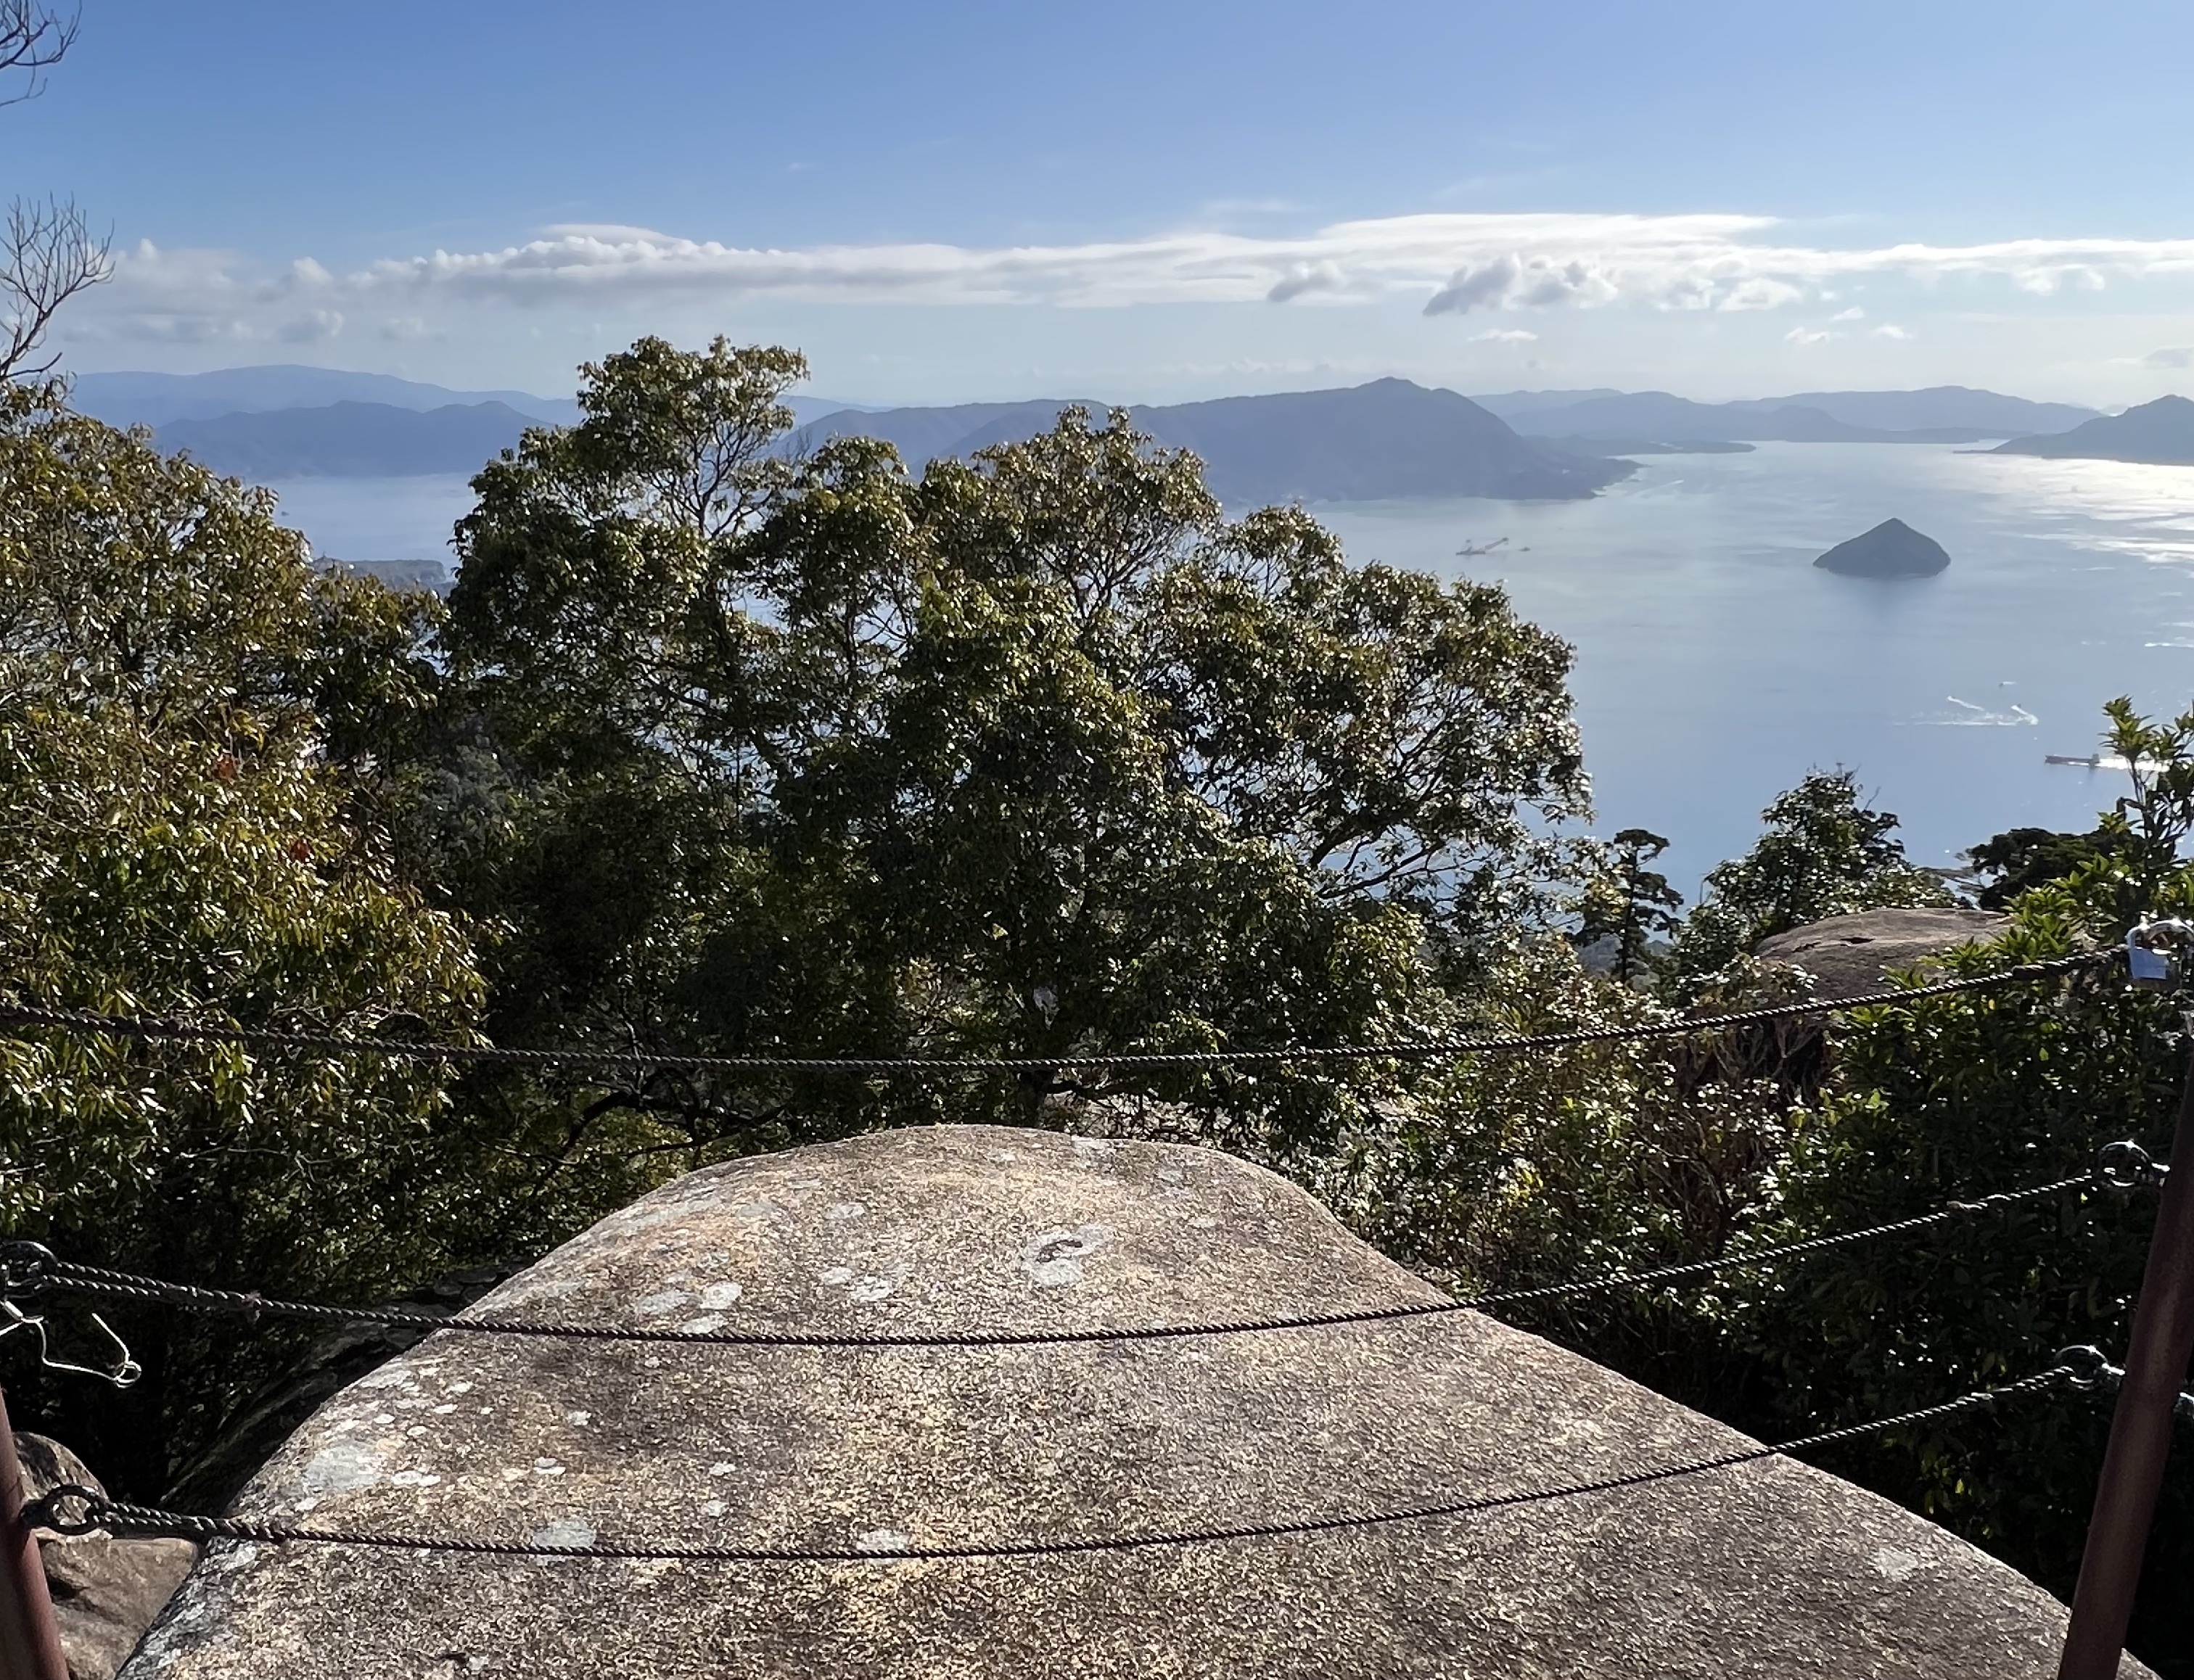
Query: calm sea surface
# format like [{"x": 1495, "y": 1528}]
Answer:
[{"x": 1715, "y": 665}]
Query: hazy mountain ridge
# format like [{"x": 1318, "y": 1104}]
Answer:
[
  {"x": 2157, "y": 434},
  {"x": 159, "y": 399},
  {"x": 1943, "y": 414},
  {"x": 1388, "y": 438},
  {"x": 349, "y": 440}
]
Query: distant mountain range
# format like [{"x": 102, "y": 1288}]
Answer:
[
  {"x": 1946, "y": 414},
  {"x": 1389, "y": 439},
  {"x": 349, "y": 440},
  {"x": 156, "y": 399},
  {"x": 2161, "y": 433}
]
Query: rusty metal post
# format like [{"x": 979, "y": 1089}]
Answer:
[
  {"x": 29, "y": 1642},
  {"x": 2141, "y": 1424}
]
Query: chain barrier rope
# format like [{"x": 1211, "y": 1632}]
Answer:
[
  {"x": 27, "y": 1268},
  {"x": 149, "y": 1028},
  {"x": 73, "y": 1510}
]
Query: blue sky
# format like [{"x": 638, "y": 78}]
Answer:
[{"x": 1143, "y": 201}]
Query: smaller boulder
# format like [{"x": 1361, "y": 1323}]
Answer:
[
  {"x": 105, "y": 1591},
  {"x": 1848, "y": 955},
  {"x": 1892, "y": 549}
]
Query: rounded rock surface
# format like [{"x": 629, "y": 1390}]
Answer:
[
  {"x": 1771, "y": 1572},
  {"x": 1850, "y": 955}
]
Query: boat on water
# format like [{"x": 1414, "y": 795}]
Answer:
[{"x": 2095, "y": 761}]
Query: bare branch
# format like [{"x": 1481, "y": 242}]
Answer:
[
  {"x": 33, "y": 38},
  {"x": 47, "y": 256}
]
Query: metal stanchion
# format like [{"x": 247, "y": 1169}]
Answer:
[
  {"x": 2141, "y": 1425},
  {"x": 29, "y": 1642}
]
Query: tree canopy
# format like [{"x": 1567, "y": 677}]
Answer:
[
  {"x": 1041, "y": 754},
  {"x": 724, "y": 746},
  {"x": 180, "y": 835},
  {"x": 1824, "y": 853}
]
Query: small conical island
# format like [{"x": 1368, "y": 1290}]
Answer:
[{"x": 1892, "y": 549}]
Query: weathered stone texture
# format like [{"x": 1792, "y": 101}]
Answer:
[
  {"x": 1850, "y": 954},
  {"x": 1774, "y": 1571},
  {"x": 105, "y": 1591}
]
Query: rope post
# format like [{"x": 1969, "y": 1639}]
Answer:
[
  {"x": 2141, "y": 1424},
  {"x": 29, "y": 1642}
]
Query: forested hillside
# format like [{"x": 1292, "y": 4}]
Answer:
[{"x": 719, "y": 748}]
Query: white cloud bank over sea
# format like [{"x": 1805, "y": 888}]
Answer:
[{"x": 1534, "y": 267}]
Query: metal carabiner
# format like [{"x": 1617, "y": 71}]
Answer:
[{"x": 125, "y": 1371}]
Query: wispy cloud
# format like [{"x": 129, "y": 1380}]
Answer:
[
  {"x": 1456, "y": 264},
  {"x": 2182, "y": 356},
  {"x": 1505, "y": 336}
]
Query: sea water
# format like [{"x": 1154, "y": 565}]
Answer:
[{"x": 1715, "y": 665}]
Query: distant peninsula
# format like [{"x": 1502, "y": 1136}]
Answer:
[
  {"x": 2157, "y": 434},
  {"x": 1389, "y": 440},
  {"x": 1892, "y": 549}
]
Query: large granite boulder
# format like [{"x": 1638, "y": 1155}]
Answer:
[
  {"x": 330, "y": 1365},
  {"x": 1847, "y": 956},
  {"x": 105, "y": 1591},
  {"x": 1772, "y": 1571}
]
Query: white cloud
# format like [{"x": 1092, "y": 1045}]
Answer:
[
  {"x": 1853, "y": 313},
  {"x": 1457, "y": 264},
  {"x": 2179, "y": 357},
  {"x": 1807, "y": 336},
  {"x": 1888, "y": 331},
  {"x": 1506, "y": 335},
  {"x": 311, "y": 327},
  {"x": 1516, "y": 281},
  {"x": 1760, "y": 291}
]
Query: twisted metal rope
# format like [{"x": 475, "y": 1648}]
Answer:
[
  {"x": 157, "y": 1029},
  {"x": 120, "y": 1519},
  {"x": 26, "y": 1269}
]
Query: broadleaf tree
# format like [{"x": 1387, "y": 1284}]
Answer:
[
  {"x": 1040, "y": 753},
  {"x": 187, "y": 830}
]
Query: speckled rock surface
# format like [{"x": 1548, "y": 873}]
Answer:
[
  {"x": 1773, "y": 1571},
  {"x": 1849, "y": 954}
]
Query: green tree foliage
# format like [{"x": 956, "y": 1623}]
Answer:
[
  {"x": 179, "y": 837},
  {"x": 1631, "y": 903},
  {"x": 726, "y": 747},
  {"x": 2010, "y": 862},
  {"x": 1039, "y": 754},
  {"x": 1825, "y": 853},
  {"x": 1960, "y": 1096}
]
